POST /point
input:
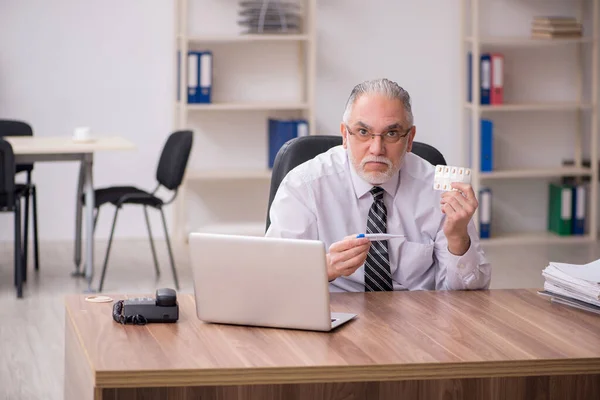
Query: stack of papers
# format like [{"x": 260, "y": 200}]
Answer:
[
  {"x": 269, "y": 16},
  {"x": 550, "y": 27},
  {"x": 574, "y": 285}
]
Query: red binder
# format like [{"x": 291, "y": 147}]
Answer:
[{"x": 497, "y": 90}]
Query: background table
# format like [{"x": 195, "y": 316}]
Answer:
[
  {"x": 511, "y": 344},
  {"x": 30, "y": 149}
]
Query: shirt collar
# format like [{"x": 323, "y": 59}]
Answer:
[{"x": 362, "y": 187}]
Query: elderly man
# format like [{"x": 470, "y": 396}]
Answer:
[{"x": 373, "y": 183}]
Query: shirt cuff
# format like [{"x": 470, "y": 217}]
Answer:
[{"x": 464, "y": 265}]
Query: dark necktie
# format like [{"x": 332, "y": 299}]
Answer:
[{"x": 377, "y": 265}]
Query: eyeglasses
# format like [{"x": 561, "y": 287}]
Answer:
[{"x": 391, "y": 136}]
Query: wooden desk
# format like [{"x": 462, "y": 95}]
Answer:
[
  {"x": 30, "y": 149},
  {"x": 511, "y": 344}
]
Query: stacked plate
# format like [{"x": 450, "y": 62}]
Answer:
[{"x": 269, "y": 17}]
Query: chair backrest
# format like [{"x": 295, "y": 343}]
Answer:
[
  {"x": 174, "y": 158},
  {"x": 298, "y": 150},
  {"x": 429, "y": 153},
  {"x": 7, "y": 174},
  {"x": 10, "y": 127}
]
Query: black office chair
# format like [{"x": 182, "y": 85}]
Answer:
[
  {"x": 10, "y": 201},
  {"x": 20, "y": 128},
  {"x": 169, "y": 173},
  {"x": 298, "y": 150}
]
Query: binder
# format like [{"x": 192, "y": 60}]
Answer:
[
  {"x": 205, "y": 75},
  {"x": 560, "y": 208},
  {"x": 487, "y": 146},
  {"x": 280, "y": 131},
  {"x": 178, "y": 82},
  {"x": 485, "y": 212},
  {"x": 485, "y": 78},
  {"x": 497, "y": 81},
  {"x": 469, "y": 77},
  {"x": 579, "y": 209},
  {"x": 301, "y": 128},
  {"x": 192, "y": 77}
]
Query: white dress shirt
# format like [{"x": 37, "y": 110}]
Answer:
[{"x": 324, "y": 199}]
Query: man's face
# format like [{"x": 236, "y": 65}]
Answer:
[{"x": 377, "y": 159}]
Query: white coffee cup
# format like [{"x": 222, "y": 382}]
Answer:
[{"x": 82, "y": 133}]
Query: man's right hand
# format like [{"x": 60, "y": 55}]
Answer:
[{"x": 346, "y": 256}]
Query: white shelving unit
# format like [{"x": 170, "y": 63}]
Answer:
[
  {"x": 186, "y": 115},
  {"x": 257, "y": 106},
  {"x": 477, "y": 43}
]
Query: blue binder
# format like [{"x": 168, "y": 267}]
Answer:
[
  {"x": 178, "y": 82},
  {"x": 579, "y": 209},
  {"x": 205, "y": 75},
  {"x": 485, "y": 212},
  {"x": 199, "y": 83},
  {"x": 281, "y": 131},
  {"x": 485, "y": 75},
  {"x": 485, "y": 78},
  {"x": 192, "y": 76},
  {"x": 469, "y": 77},
  {"x": 487, "y": 145}
]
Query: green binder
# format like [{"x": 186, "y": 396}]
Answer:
[{"x": 560, "y": 208}]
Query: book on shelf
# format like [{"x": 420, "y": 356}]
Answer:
[
  {"x": 550, "y": 35},
  {"x": 549, "y": 27},
  {"x": 491, "y": 78},
  {"x": 567, "y": 207},
  {"x": 199, "y": 77},
  {"x": 282, "y": 131},
  {"x": 486, "y": 143},
  {"x": 485, "y": 213},
  {"x": 575, "y": 285}
]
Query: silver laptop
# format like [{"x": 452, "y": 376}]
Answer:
[{"x": 260, "y": 281}]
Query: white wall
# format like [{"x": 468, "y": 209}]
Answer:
[
  {"x": 400, "y": 40},
  {"x": 67, "y": 63},
  {"x": 109, "y": 65}
]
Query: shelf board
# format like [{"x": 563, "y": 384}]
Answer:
[
  {"x": 536, "y": 173},
  {"x": 232, "y": 174},
  {"x": 283, "y": 37},
  {"x": 250, "y": 106},
  {"x": 526, "y": 41},
  {"x": 534, "y": 238},
  {"x": 555, "y": 106}
]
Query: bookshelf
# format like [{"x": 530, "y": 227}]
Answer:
[
  {"x": 226, "y": 185},
  {"x": 483, "y": 32},
  {"x": 253, "y": 106}
]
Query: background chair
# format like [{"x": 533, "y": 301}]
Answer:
[
  {"x": 19, "y": 128},
  {"x": 298, "y": 150},
  {"x": 10, "y": 201},
  {"x": 169, "y": 173}
]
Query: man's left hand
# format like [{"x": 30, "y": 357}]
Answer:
[{"x": 459, "y": 206}]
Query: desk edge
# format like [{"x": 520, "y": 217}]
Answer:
[{"x": 348, "y": 373}]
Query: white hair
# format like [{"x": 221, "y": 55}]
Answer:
[{"x": 380, "y": 86}]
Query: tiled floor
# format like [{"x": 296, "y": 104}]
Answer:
[{"x": 32, "y": 328}]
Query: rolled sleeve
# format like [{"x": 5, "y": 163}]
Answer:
[{"x": 466, "y": 272}]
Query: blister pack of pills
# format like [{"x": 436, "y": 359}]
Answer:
[{"x": 446, "y": 174}]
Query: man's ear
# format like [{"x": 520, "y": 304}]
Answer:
[
  {"x": 344, "y": 135},
  {"x": 411, "y": 137}
]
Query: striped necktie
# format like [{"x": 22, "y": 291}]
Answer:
[{"x": 377, "y": 265}]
